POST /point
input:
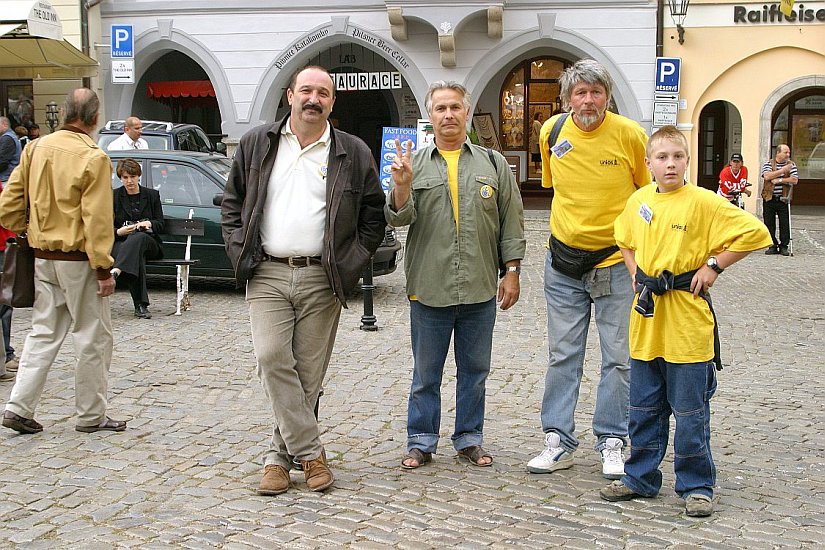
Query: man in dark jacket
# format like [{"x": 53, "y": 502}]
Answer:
[{"x": 302, "y": 214}]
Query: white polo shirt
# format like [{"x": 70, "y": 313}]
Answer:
[
  {"x": 296, "y": 199},
  {"x": 125, "y": 143}
]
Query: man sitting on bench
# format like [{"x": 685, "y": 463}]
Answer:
[{"x": 138, "y": 225}]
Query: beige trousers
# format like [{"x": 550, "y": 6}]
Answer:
[
  {"x": 66, "y": 292},
  {"x": 294, "y": 316}
]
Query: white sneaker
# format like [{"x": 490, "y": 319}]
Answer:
[
  {"x": 552, "y": 458},
  {"x": 612, "y": 459}
]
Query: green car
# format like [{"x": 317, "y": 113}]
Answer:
[{"x": 189, "y": 181}]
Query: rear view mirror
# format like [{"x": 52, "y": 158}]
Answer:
[
  {"x": 217, "y": 199},
  {"x": 220, "y": 147}
]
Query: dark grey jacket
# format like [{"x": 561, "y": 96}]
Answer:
[{"x": 354, "y": 219}]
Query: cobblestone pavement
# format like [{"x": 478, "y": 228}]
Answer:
[{"x": 184, "y": 474}]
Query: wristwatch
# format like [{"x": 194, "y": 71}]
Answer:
[
  {"x": 714, "y": 265},
  {"x": 514, "y": 269}
]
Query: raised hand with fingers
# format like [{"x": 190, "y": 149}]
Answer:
[{"x": 402, "y": 173}]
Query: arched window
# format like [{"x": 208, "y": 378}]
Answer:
[
  {"x": 800, "y": 122},
  {"x": 531, "y": 89}
]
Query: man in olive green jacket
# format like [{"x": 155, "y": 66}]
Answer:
[{"x": 465, "y": 216}]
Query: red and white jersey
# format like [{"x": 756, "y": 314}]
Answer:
[{"x": 728, "y": 181}]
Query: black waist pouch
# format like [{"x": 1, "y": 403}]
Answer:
[{"x": 575, "y": 262}]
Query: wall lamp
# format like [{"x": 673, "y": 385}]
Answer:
[
  {"x": 52, "y": 113},
  {"x": 678, "y": 11}
]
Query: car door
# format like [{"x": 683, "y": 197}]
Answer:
[{"x": 185, "y": 186}]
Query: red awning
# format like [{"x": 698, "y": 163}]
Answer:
[
  {"x": 180, "y": 88},
  {"x": 183, "y": 93}
]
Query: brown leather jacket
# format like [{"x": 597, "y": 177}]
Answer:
[{"x": 355, "y": 201}]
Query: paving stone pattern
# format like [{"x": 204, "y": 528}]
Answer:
[{"x": 184, "y": 474}]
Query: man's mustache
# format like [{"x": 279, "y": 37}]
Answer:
[{"x": 314, "y": 106}]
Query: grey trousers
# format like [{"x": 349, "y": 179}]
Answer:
[
  {"x": 294, "y": 316},
  {"x": 66, "y": 292}
]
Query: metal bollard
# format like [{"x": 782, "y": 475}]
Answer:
[{"x": 368, "y": 320}]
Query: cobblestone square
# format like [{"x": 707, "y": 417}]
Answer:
[{"x": 184, "y": 474}]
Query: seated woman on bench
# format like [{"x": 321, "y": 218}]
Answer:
[{"x": 138, "y": 224}]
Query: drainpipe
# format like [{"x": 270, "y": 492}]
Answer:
[
  {"x": 84, "y": 33},
  {"x": 660, "y": 27}
]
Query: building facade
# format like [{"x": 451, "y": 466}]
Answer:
[
  {"x": 45, "y": 51},
  {"x": 227, "y": 65},
  {"x": 753, "y": 78}
]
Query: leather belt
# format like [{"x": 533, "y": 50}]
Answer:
[{"x": 296, "y": 261}]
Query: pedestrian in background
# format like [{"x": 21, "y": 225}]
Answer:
[
  {"x": 594, "y": 165},
  {"x": 301, "y": 217},
  {"x": 138, "y": 225},
  {"x": 676, "y": 239},
  {"x": 779, "y": 175},
  {"x": 61, "y": 198},
  {"x": 465, "y": 215},
  {"x": 733, "y": 179},
  {"x": 130, "y": 139},
  {"x": 10, "y": 150}
]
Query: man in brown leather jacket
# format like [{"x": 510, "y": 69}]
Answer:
[{"x": 302, "y": 214}]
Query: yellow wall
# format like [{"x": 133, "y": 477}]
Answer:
[{"x": 742, "y": 65}]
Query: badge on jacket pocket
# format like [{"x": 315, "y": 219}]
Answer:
[{"x": 486, "y": 191}]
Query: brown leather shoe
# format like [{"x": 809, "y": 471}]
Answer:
[
  {"x": 275, "y": 480},
  {"x": 317, "y": 473}
]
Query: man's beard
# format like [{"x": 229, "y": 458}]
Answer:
[{"x": 589, "y": 120}]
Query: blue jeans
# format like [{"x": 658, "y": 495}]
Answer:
[
  {"x": 568, "y": 319},
  {"x": 432, "y": 329},
  {"x": 657, "y": 389}
]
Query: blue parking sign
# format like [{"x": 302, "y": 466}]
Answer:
[
  {"x": 123, "y": 42},
  {"x": 668, "y": 72}
]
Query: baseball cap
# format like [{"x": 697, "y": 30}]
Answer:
[{"x": 736, "y": 156}]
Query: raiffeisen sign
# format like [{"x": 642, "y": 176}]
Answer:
[{"x": 769, "y": 13}]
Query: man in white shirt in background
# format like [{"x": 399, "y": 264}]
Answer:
[{"x": 132, "y": 130}]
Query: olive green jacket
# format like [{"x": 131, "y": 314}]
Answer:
[{"x": 446, "y": 267}]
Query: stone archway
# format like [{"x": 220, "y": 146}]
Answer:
[{"x": 270, "y": 90}]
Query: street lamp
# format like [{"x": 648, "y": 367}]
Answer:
[
  {"x": 678, "y": 11},
  {"x": 52, "y": 114}
]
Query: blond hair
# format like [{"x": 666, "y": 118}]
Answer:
[{"x": 666, "y": 133}]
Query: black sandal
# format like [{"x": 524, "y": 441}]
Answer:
[
  {"x": 419, "y": 456},
  {"x": 474, "y": 453}
]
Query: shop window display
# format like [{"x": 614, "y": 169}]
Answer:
[
  {"x": 801, "y": 124},
  {"x": 529, "y": 96}
]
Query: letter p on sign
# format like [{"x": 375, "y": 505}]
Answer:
[
  {"x": 122, "y": 42},
  {"x": 668, "y": 71}
]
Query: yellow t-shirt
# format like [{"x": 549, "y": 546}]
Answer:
[
  {"x": 452, "y": 178},
  {"x": 593, "y": 180},
  {"x": 687, "y": 226}
]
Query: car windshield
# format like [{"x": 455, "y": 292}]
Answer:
[
  {"x": 221, "y": 165},
  {"x": 154, "y": 142}
]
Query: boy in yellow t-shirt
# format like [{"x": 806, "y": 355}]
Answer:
[{"x": 676, "y": 239}]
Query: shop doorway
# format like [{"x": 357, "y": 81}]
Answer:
[
  {"x": 364, "y": 114},
  {"x": 712, "y": 144},
  {"x": 370, "y": 94},
  {"x": 799, "y": 122}
]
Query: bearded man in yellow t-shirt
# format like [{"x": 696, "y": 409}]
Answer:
[{"x": 595, "y": 162}]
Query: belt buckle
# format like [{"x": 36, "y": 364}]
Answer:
[{"x": 291, "y": 261}]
